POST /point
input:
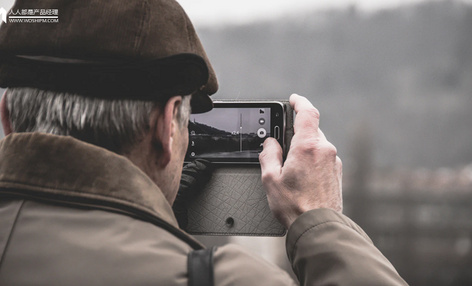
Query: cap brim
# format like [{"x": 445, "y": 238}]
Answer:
[
  {"x": 150, "y": 79},
  {"x": 201, "y": 102}
]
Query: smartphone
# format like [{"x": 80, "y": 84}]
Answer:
[
  {"x": 234, "y": 202},
  {"x": 234, "y": 131}
]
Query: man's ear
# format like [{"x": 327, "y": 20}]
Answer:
[
  {"x": 5, "y": 115},
  {"x": 165, "y": 129}
]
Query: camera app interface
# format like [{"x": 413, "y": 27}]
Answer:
[{"x": 228, "y": 133}]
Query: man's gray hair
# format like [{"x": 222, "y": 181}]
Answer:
[{"x": 116, "y": 125}]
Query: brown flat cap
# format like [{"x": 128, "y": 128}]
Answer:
[{"x": 132, "y": 49}]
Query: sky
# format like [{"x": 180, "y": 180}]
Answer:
[{"x": 209, "y": 12}]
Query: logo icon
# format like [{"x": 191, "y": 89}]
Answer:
[
  {"x": 3, "y": 14},
  {"x": 30, "y": 15}
]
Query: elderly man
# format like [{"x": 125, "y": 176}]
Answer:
[{"x": 95, "y": 118}]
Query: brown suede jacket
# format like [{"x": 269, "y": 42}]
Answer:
[{"x": 75, "y": 214}]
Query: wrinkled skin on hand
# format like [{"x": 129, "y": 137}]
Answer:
[{"x": 311, "y": 176}]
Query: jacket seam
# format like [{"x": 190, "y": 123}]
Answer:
[
  {"x": 315, "y": 226},
  {"x": 117, "y": 204},
  {"x": 11, "y": 231},
  {"x": 78, "y": 193}
]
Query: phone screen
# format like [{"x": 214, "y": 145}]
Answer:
[{"x": 234, "y": 132}]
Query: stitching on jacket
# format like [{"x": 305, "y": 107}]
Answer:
[
  {"x": 147, "y": 212},
  {"x": 86, "y": 194},
  {"x": 317, "y": 225},
  {"x": 11, "y": 231}
]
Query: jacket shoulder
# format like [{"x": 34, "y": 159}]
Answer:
[{"x": 58, "y": 245}]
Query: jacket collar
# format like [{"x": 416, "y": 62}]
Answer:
[{"x": 64, "y": 166}]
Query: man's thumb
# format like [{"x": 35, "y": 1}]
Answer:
[{"x": 271, "y": 157}]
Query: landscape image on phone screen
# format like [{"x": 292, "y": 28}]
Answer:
[{"x": 228, "y": 133}]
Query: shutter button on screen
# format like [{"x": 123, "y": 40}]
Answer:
[{"x": 261, "y": 133}]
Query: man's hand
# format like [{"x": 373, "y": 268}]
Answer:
[{"x": 311, "y": 176}]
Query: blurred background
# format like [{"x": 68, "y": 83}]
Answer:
[{"x": 393, "y": 83}]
